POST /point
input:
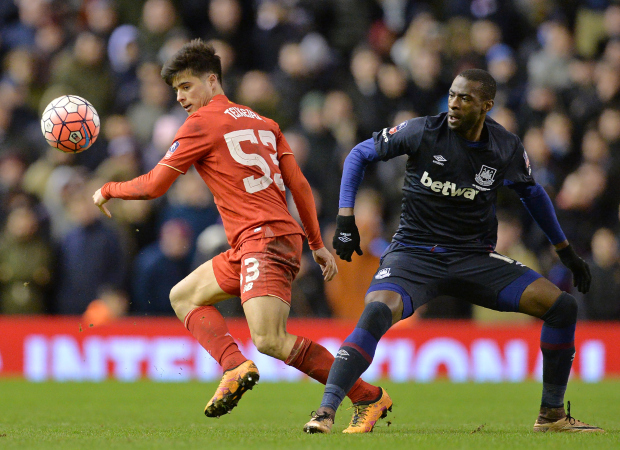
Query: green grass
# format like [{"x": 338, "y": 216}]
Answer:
[{"x": 434, "y": 416}]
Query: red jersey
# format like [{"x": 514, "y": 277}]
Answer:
[{"x": 237, "y": 153}]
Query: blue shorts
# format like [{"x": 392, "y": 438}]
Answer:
[{"x": 419, "y": 275}]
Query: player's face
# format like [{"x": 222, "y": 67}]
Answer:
[
  {"x": 193, "y": 92},
  {"x": 466, "y": 107}
]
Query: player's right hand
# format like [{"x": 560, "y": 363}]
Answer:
[
  {"x": 100, "y": 200},
  {"x": 347, "y": 238}
]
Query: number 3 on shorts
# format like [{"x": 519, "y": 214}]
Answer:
[{"x": 251, "y": 270}]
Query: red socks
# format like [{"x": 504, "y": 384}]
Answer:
[
  {"x": 315, "y": 361},
  {"x": 208, "y": 326}
]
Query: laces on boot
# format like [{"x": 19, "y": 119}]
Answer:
[
  {"x": 359, "y": 414},
  {"x": 320, "y": 417},
  {"x": 570, "y": 418}
]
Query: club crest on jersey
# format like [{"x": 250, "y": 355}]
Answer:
[
  {"x": 172, "y": 149},
  {"x": 383, "y": 273},
  {"x": 486, "y": 176},
  {"x": 397, "y": 128}
]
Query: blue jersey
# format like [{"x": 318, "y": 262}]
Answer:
[{"x": 450, "y": 187}]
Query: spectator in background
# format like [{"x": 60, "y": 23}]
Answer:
[
  {"x": 100, "y": 16},
  {"x": 91, "y": 258},
  {"x": 549, "y": 67},
  {"x": 190, "y": 200},
  {"x": 502, "y": 65},
  {"x": 26, "y": 264},
  {"x": 602, "y": 302},
  {"x": 362, "y": 87},
  {"x": 154, "y": 102},
  {"x": 229, "y": 22},
  {"x": 159, "y": 22},
  {"x": 124, "y": 54},
  {"x": 123, "y": 162},
  {"x": 256, "y": 90},
  {"x": 111, "y": 304},
  {"x": 159, "y": 267},
  {"x": 83, "y": 70}
]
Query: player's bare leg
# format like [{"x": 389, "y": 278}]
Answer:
[
  {"x": 267, "y": 318},
  {"x": 558, "y": 309},
  {"x": 383, "y": 309},
  {"x": 192, "y": 300}
]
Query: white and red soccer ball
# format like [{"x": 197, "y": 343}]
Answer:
[{"x": 70, "y": 124}]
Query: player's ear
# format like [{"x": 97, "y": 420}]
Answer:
[
  {"x": 212, "y": 79},
  {"x": 488, "y": 104}
]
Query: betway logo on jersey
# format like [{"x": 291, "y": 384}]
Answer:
[
  {"x": 242, "y": 112},
  {"x": 448, "y": 188}
]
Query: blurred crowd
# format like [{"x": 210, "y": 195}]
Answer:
[{"x": 330, "y": 72}]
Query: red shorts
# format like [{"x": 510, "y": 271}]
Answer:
[{"x": 260, "y": 267}]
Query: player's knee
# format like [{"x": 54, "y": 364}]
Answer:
[
  {"x": 268, "y": 344},
  {"x": 177, "y": 298},
  {"x": 563, "y": 312}
]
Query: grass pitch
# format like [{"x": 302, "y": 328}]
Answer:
[{"x": 151, "y": 415}]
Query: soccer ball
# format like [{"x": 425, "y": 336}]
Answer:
[{"x": 70, "y": 124}]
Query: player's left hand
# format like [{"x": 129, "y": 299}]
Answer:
[
  {"x": 100, "y": 201},
  {"x": 579, "y": 268},
  {"x": 327, "y": 262}
]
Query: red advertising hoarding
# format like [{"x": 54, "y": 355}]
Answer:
[{"x": 66, "y": 348}]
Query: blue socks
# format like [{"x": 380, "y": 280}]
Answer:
[
  {"x": 356, "y": 353},
  {"x": 557, "y": 342}
]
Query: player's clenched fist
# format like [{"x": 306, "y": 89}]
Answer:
[{"x": 347, "y": 238}]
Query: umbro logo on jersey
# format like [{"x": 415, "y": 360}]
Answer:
[
  {"x": 344, "y": 237},
  {"x": 383, "y": 273},
  {"x": 447, "y": 188},
  {"x": 438, "y": 159}
]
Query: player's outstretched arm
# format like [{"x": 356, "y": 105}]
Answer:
[
  {"x": 327, "y": 262},
  {"x": 145, "y": 187}
]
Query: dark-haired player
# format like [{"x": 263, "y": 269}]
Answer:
[
  {"x": 445, "y": 243},
  {"x": 246, "y": 162}
]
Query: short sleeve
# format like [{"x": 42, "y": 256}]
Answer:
[
  {"x": 403, "y": 139},
  {"x": 189, "y": 145},
  {"x": 519, "y": 169}
]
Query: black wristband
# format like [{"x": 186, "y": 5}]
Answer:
[{"x": 566, "y": 252}]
